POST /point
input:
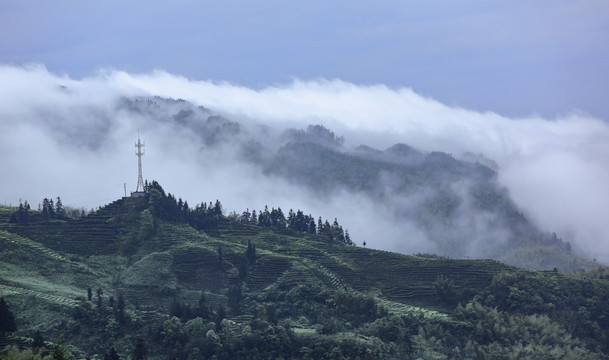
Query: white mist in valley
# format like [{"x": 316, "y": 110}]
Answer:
[{"x": 72, "y": 138}]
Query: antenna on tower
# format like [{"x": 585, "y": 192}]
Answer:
[{"x": 140, "y": 180}]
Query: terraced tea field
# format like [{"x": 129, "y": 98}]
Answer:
[{"x": 56, "y": 261}]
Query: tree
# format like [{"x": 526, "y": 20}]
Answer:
[
  {"x": 46, "y": 209},
  {"x": 250, "y": 253},
  {"x": 243, "y": 269},
  {"x": 38, "y": 340},
  {"x": 112, "y": 355},
  {"x": 348, "y": 238},
  {"x": 312, "y": 227},
  {"x": 7, "y": 319},
  {"x": 60, "y": 212},
  {"x": 218, "y": 208},
  {"x": 22, "y": 213},
  {"x": 139, "y": 352},
  {"x": 100, "y": 292}
]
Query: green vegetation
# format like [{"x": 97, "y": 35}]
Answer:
[{"x": 142, "y": 278}]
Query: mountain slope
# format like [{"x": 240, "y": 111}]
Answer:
[{"x": 299, "y": 296}]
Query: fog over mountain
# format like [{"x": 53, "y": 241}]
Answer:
[{"x": 74, "y": 138}]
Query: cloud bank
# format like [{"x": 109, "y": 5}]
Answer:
[{"x": 64, "y": 137}]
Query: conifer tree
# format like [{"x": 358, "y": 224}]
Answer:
[
  {"x": 46, "y": 214},
  {"x": 38, "y": 340},
  {"x": 140, "y": 352},
  {"x": 100, "y": 300},
  {"x": 348, "y": 237},
  {"x": 60, "y": 211},
  {"x": 312, "y": 230},
  {"x": 7, "y": 319},
  {"x": 243, "y": 268},
  {"x": 254, "y": 219},
  {"x": 218, "y": 208},
  {"x": 250, "y": 253},
  {"x": 112, "y": 355}
]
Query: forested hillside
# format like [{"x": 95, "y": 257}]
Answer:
[
  {"x": 155, "y": 278},
  {"x": 454, "y": 203}
]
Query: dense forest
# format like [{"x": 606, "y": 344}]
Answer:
[{"x": 154, "y": 278}]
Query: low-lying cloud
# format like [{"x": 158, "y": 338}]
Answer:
[{"x": 65, "y": 137}]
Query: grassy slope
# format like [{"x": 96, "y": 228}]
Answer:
[
  {"x": 35, "y": 262},
  {"x": 45, "y": 268}
]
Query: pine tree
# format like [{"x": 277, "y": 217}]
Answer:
[
  {"x": 100, "y": 301},
  {"x": 243, "y": 269},
  {"x": 245, "y": 217},
  {"x": 312, "y": 228},
  {"x": 38, "y": 340},
  {"x": 112, "y": 355},
  {"x": 250, "y": 253},
  {"x": 46, "y": 214},
  {"x": 22, "y": 213},
  {"x": 7, "y": 319},
  {"x": 52, "y": 213},
  {"x": 140, "y": 352},
  {"x": 348, "y": 237},
  {"x": 60, "y": 212},
  {"x": 254, "y": 220},
  {"x": 218, "y": 208}
]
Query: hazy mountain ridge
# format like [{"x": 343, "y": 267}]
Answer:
[
  {"x": 298, "y": 296},
  {"x": 458, "y": 206},
  {"x": 406, "y": 200}
]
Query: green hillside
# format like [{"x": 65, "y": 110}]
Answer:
[
  {"x": 456, "y": 202},
  {"x": 223, "y": 289}
]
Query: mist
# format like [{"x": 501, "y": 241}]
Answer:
[{"x": 74, "y": 138}]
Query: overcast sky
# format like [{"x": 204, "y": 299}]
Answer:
[
  {"x": 524, "y": 83},
  {"x": 515, "y": 58}
]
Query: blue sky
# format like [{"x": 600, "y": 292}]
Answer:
[{"x": 515, "y": 58}]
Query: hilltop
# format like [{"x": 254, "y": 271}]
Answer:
[
  {"x": 137, "y": 275},
  {"x": 454, "y": 202}
]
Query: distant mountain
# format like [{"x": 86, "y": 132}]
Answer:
[
  {"x": 153, "y": 275},
  {"x": 457, "y": 204}
]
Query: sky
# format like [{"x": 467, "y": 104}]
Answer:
[
  {"x": 515, "y": 58},
  {"x": 522, "y": 83}
]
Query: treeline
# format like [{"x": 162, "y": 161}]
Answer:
[
  {"x": 47, "y": 210},
  {"x": 206, "y": 215},
  {"x": 296, "y": 221},
  {"x": 167, "y": 207}
]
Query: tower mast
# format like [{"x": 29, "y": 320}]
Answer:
[{"x": 139, "y": 153}]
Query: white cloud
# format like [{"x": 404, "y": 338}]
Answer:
[{"x": 557, "y": 170}]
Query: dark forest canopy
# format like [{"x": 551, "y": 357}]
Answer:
[{"x": 206, "y": 215}]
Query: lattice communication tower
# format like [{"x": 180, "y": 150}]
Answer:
[{"x": 139, "y": 153}]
